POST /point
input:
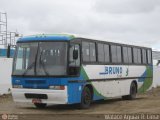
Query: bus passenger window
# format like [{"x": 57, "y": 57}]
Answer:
[
  {"x": 135, "y": 55},
  {"x": 85, "y": 51},
  {"x": 144, "y": 56},
  {"x": 119, "y": 54},
  {"x": 130, "y": 58},
  {"x": 149, "y": 56},
  {"x": 100, "y": 53},
  {"x": 92, "y": 52},
  {"x": 139, "y": 55},
  {"x": 114, "y": 53},
  {"x": 125, "y": 55},
  {"x": 106, "y": 52}
]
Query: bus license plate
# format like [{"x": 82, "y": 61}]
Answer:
[{"x": 36, "y": 101}]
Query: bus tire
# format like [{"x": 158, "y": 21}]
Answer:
[
  {"x": 40, "y": 105},
  {"x": 86, "y": 98},
  {"x": 133, "y": 92}
]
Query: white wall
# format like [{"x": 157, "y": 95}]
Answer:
[
  {"x": 5, "y": 74},
  {"x": 156, "y": 76},
  {"x": 6, "y": 69}
]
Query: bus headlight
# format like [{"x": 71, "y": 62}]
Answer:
[
  {"x": 17, "y": 86},
  {"x": 57, "y": 87}
]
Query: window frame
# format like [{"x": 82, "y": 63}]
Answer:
[
  {"x": 146, "y": 62},
  {"x": 151, "y": 61},
  {"x": 109, "y": 53},
  {"x": 95, "y": 55},
  {"x": 89, "y": 60},
  {"x": 129, "y": 51},
  {"x": 123, "y": 55},
  {"x": 99, "y": 54}
]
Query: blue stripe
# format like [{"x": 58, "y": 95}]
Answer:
[{"x": 46, "y": 37}]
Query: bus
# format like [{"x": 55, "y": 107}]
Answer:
[{"x": 64, "y": 69}]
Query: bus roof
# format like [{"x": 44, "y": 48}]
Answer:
[
  {"x": 46, "y": 37},
  {"x": 65, "y": 37}
]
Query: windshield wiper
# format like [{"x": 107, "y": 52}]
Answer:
[{"x": 29, "y": 67}]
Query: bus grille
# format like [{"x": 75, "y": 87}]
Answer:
[{"x": 35, "y": 81}]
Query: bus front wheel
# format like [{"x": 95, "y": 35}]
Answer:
[
  {"x": 133, "y": 92},
  {"x": 40, "y": 105},
  {"x": 86, "y": 98}
]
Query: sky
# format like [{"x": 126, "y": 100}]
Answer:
[{"x": 135, "y": 22}]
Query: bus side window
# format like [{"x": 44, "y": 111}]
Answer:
[
  {"x": 85, "y": 51},
  {"x": 106, "y": 53},
  {"x": 119, "y": 54},
  {"x": 149, "y": 57},
  {"x": 114, "y": 53},
  {"x": 144, "y": 56},
  {"x": 135, "y": 55},
  {"x": 130, "y": 58},
  {"x": 100, "y": 52},
  {"x": 139, "y": 56},
  {"x": 125, "y": 55},
  {"x": 92, "y": 52},
  {"x": 89, "y": 51}
]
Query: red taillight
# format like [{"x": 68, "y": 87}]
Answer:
[
  {"x": 62, "y": 87},
  {"x": 57, "y": 87}
]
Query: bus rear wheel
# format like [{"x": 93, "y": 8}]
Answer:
[
  {"x": 86, "y": 98},
  {"x": 133, "y": 92},
  {"x": 40, "y": 105}
]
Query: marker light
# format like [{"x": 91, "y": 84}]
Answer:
[
  {"x": 57, "y": 87},
  {"x": 17, "y": 86}
]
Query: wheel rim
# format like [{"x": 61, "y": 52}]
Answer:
[
  {"x": 87, "y": 96},
  {"x": 133, "y": 91}
]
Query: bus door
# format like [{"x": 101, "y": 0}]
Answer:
[{"x": 74, "y": 59}]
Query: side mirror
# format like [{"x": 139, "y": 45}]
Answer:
[{"x": 75, "y": 54}]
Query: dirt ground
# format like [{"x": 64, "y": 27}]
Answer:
[{"x": 148, "y": 103}]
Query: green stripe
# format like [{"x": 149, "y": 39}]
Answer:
[
  {"x": 147, "y": 81},
  {"x": 84, "y": 74}
]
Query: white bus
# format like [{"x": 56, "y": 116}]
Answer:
[{"x": 63, "y": 69}]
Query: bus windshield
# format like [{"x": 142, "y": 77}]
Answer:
[{"x": 40, "y": 59}]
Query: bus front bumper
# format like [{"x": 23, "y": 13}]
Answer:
[{"x": 53, "y": 96}]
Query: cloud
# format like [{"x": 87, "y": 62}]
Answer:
[
  {"x": 46, "y": 15},
  {"x": 124, "y": 21},
  {"x": 126, "y": 6}
]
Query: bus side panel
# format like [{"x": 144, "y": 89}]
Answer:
[
  {"x": 118, "y": 87},
  {"x": 147, "y": 80},
  {"x": 109, "y": 89},
  {"x": 84, "y": 73},
  {"x": 74, "y": 92}
]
